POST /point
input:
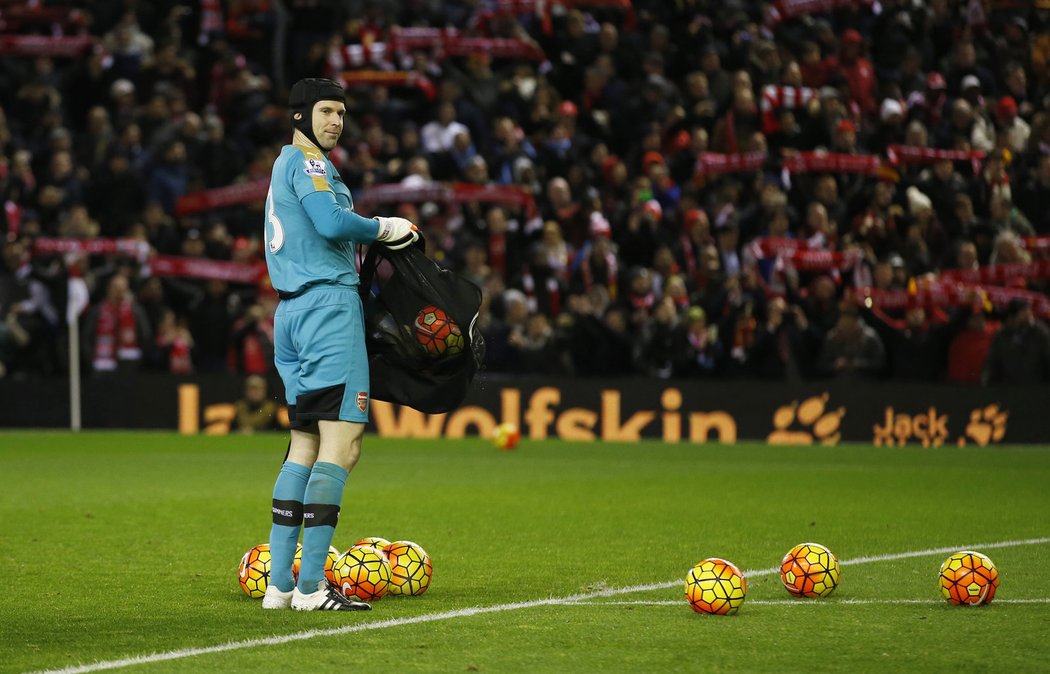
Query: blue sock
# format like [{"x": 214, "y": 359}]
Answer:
[
  {"x": 288, "y": 493},
  {"x": 324, "y": 493}
]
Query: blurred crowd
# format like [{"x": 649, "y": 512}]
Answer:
[{"x": 626, "y": 259}]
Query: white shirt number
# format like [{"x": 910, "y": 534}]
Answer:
[{"x": 277, "y": 241}]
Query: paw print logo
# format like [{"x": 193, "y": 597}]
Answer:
[
  {"x": 987, "y": 424},
  {"x": 818, "y": 422}
]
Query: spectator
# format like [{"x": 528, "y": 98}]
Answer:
[
  {"x": 13, "y": 337},
  {"x": 925, "y": 242},
  {"x": 508, "y": 330},
  {"x": 543, "y": 287},
  {"x": 698, "y": 352},
  {"x": 1004, "y": 217},
  {"x": 256, "y": 410},
  {"x": 851, "y": 349},
  {"x": 210, "y": 322},
  {"x": 61, "y": 187},
  {"x": 1020, "y": 350},
  {"x": 783, "y": 345},
  {"x": 116, "y": 331},
  {"x": 535, "y": 349},
  {"x": 117, "y": 195},
  {"x": 475, "y": 263},
  {"x": 252, "y": 351},
  {"x": 1034, "y": 195},
  {"x": 1007, "y": 248},
  {"x": 967, "y": 224},
  {"x": 639, "y": 298},
  {"x": 217, "y": 159},
  {"x": 92, "y": 145},
  {"x": 638, "y": 240},
  {"x": 735, "y": 131},
  {"x": 170, "y": 177},
  {"x": 173, "y": 345},
  {"x": 968, "y": 348},
  {"x": 965, "y": 72},
  {"x": 439, "y": 135},
  {"x": 727, "y": 240},
  {"x": 916, "y": 346},
  {"x": 857, "y": 69},
  {"x": 598, "y": 342},
  {"x": 660, "y": 337},
  {"x": 1011, "y": 125}
]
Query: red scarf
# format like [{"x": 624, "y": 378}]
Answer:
[
  {"x": 528, "y": 284},
  {"x": 115, "y": 336},
  {"x": 179, "y": 356},
  {"x": 254, "y": 358},
  {"x": 498, "y": 254}
]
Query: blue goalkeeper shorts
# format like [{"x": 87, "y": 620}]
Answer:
[{"x": 319, "y": 350}]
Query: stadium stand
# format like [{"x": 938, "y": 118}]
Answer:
[{"x": 794, "y": 189}]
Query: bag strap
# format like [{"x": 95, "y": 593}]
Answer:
[{"x": 371, "y": 262}]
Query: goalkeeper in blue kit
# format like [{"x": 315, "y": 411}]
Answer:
[{"x": 312, "y": 234}]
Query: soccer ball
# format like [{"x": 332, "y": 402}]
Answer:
[
  {"x": 329, "y": 561},
  {"x": 437, "y": 332},
  {"x": 810, "y": 570},
  {"x": 969, "y": 579},
  {"x": 254, "y": 572},
  {"x": 506, "y": 436},
  {"x": 297, "y": 561},
  {"x": 715, "y": 586},
  {"x": 376, "y": 542},
  {"x": 410, "y": 568},
  {"x": 362, "y": 572}
]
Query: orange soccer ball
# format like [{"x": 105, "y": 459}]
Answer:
[
  {"x": 377, "y": 542},
  {"x": 506, "y": 436},
  {"x": 810, "y": 570},
  {"x": 254, "y": 571},
  {"x": 410, "y": 568},
  {"x": 715, "y": 587},
  {"x": 969, "y": 579},
  {"x": 363, "y": 572},
  {"x": 437, "y": 333},
  {"x": 329, "y": 561}
]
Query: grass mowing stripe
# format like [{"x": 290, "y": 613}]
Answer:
[
  {"x": 947, "y": 551},
  {"x": 802, "y": 602},
  {"x": 497, "y": 608}
]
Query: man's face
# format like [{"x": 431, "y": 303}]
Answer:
[
  {"x": 255, "y": 391},
  {"x": 915, "y": 317},
  {"x": 1023, "y": 316},
  {"x": 328, "y": 123}
]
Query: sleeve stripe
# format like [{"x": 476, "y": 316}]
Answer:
[{"x": 320, "y": 182}]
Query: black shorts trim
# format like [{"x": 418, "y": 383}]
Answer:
[{"x": 321, "y": 405}]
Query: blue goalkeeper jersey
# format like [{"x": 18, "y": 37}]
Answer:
[{"x": 311, "y": 229}]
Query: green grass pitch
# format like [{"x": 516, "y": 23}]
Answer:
[{"x": 118, "y": 545}]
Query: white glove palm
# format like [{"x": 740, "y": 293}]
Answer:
[{"x": 396, "y": 233}]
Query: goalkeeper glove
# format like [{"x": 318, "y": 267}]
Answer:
[{"x": 396, "y": 233}]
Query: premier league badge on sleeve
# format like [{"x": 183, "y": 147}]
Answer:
[{"x": 315, "y": 167}]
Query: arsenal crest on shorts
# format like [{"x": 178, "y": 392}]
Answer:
[{"x": 362, "y": 400}]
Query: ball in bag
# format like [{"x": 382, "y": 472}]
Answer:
[{"x": 437, "y": 333}]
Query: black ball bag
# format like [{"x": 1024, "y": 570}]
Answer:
[{"x": 396, "y": 285}]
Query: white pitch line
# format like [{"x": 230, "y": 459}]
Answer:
[
  {"x": 801, "y": 602},
  {"x": 479, "y": 610}
]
